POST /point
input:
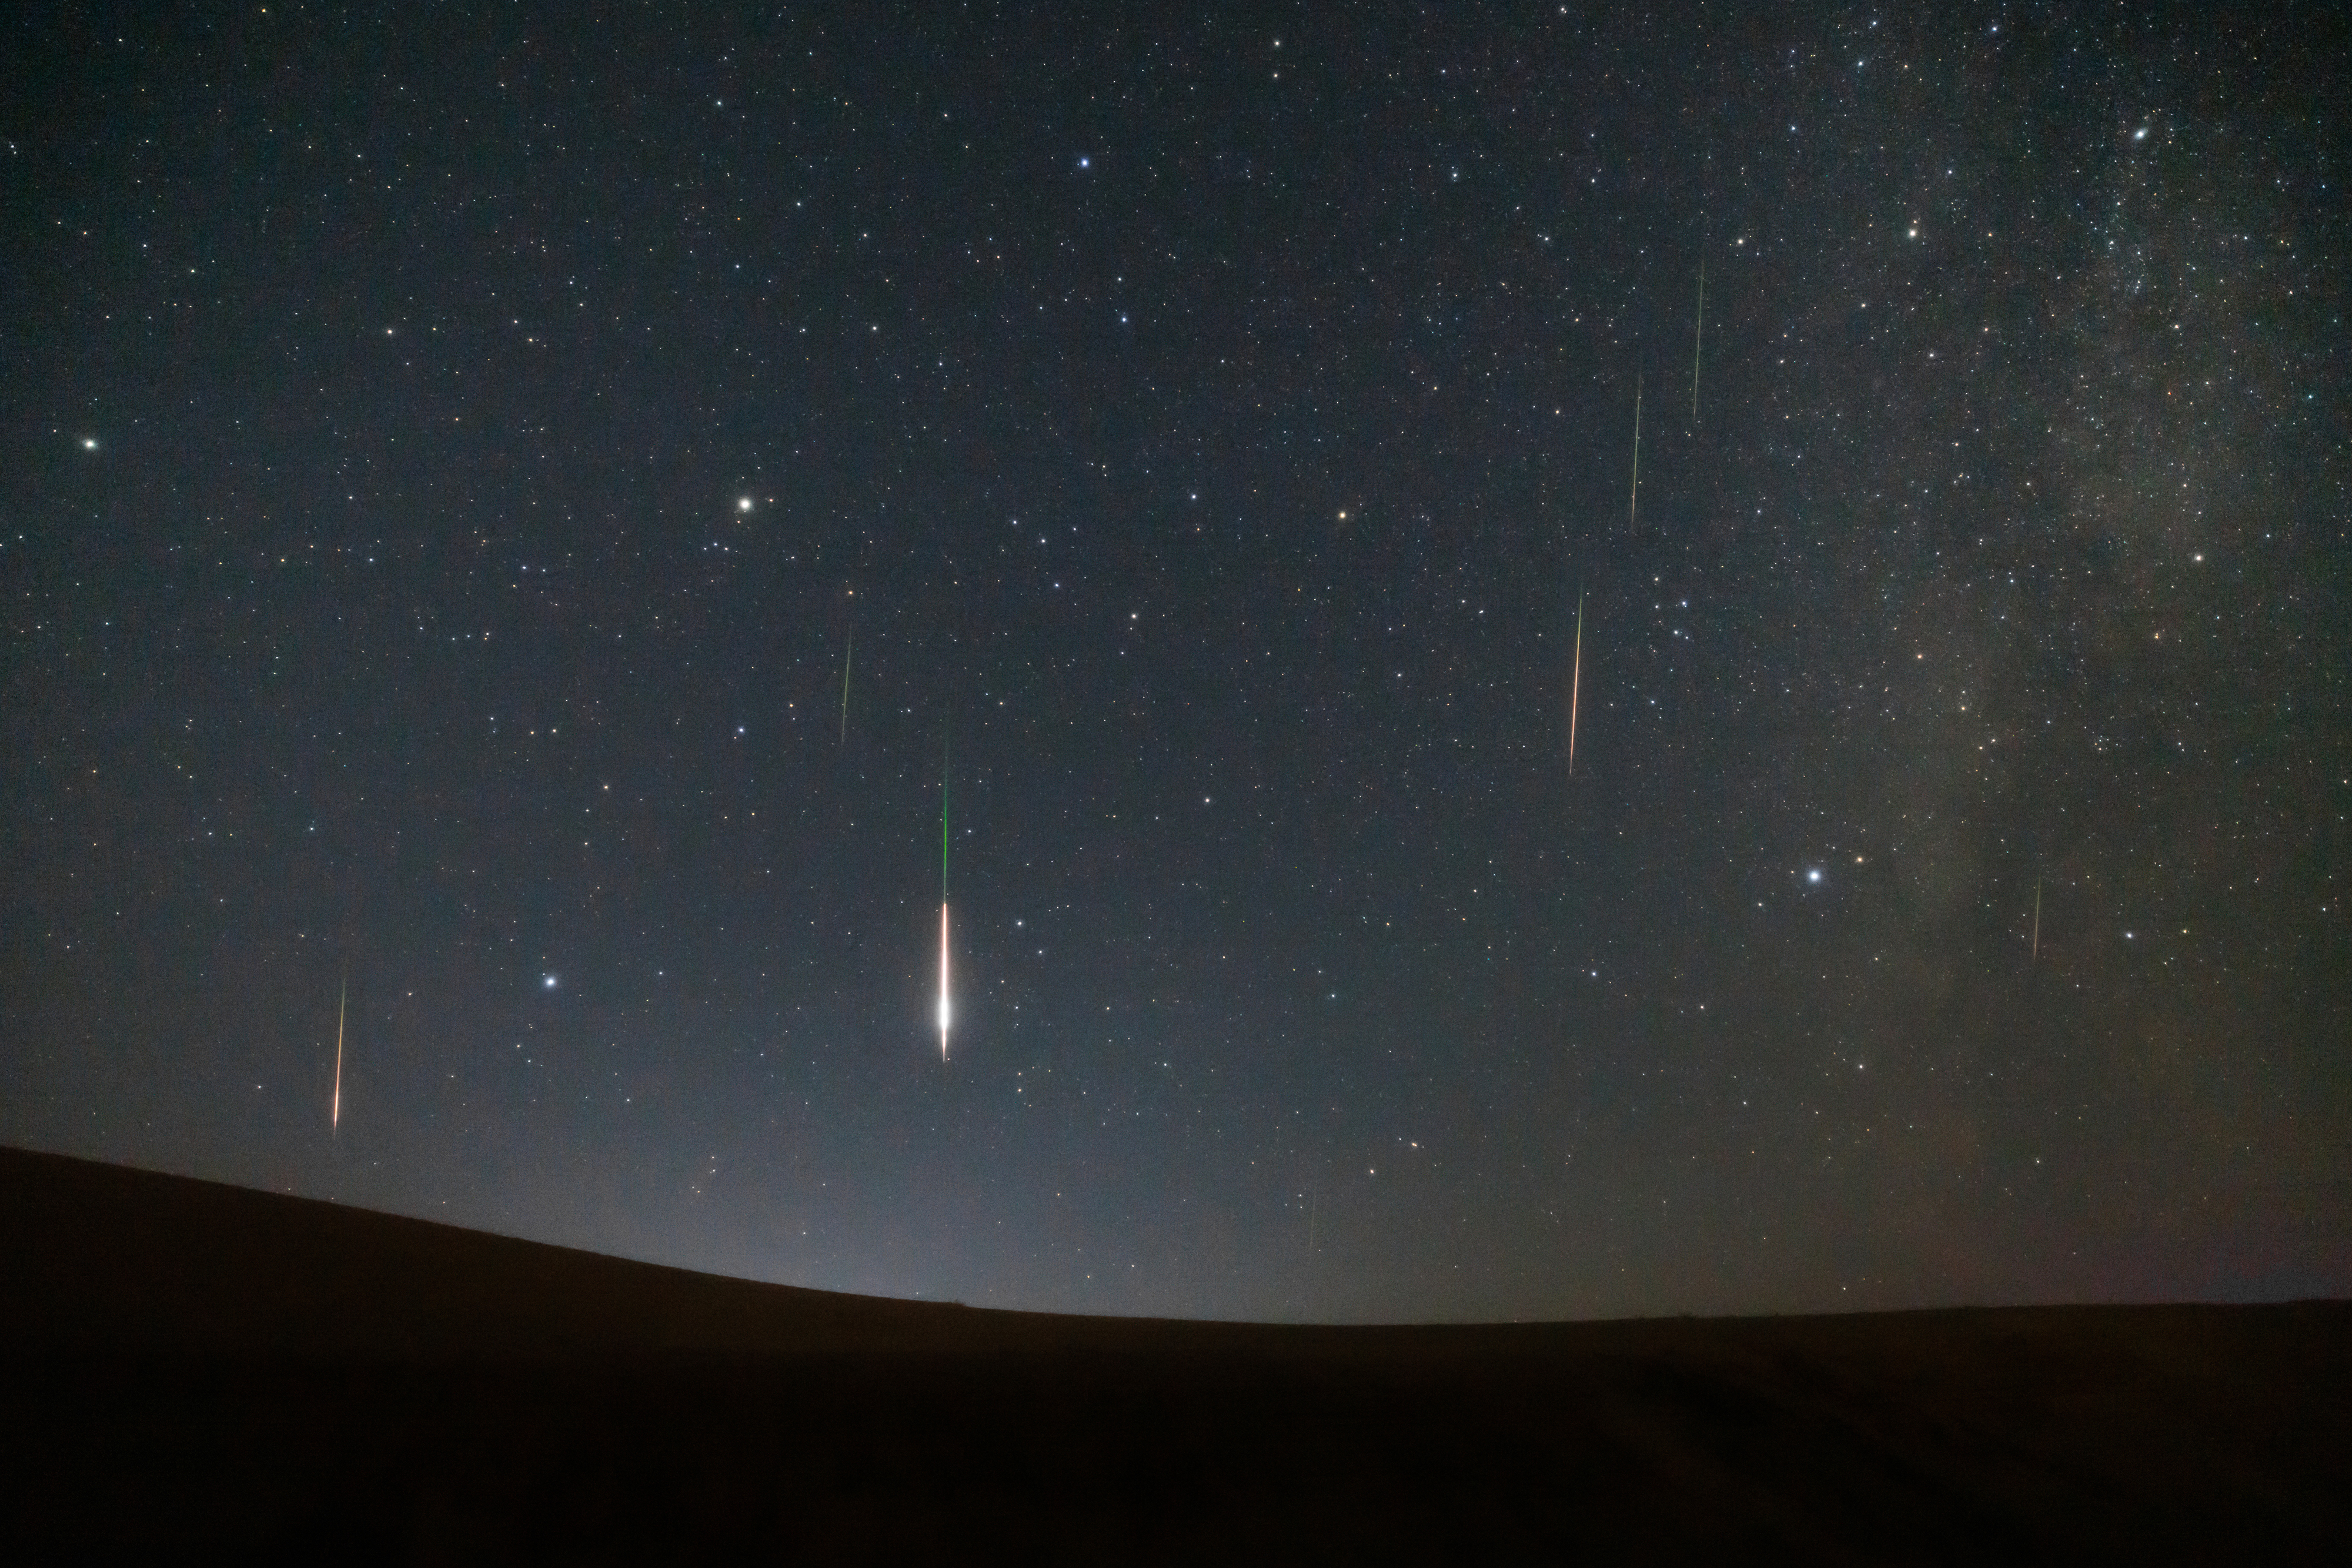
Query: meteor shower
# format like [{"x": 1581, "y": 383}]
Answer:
[{"x": 1286, "y": 729}]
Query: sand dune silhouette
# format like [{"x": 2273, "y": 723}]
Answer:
[{"x": 193, "y": 1364}]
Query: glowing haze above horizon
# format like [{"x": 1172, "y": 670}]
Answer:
[{"x": 452, "y": 459}]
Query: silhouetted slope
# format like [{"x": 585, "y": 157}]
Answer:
[
  {"x": 191, "y": 1365},
  {"x": 125, "y": 1259}
]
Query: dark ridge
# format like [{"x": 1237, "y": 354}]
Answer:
[{"x": 197, "y": 1365}]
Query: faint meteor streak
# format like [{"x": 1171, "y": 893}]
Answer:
[
  {"x": 1698, "y": 336},
  {"x": 335, "y": 1107},
  {"x": 2037, "y": 920},
  {"x": 1633, "y": 500},
  {"x": 847, "y": 654},
  {"x": 1576, "y": 683}
]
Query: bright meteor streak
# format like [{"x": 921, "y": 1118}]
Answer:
[
  {"x": 335, "y": 1108},
  {"x": 943, "y": 982},
  {"x": 943, "y": 898}
]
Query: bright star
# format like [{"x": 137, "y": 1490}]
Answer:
[
  {"x": 548, "y": 981},
  {"x": 89, "y": 444},
  {"x": 1813, "y": 875},
  {"x": 743, "y": 504}
]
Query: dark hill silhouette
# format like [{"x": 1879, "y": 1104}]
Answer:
[{"x": 196, "y": 1365}]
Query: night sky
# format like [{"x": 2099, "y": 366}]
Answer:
[{"x": 449, "y": 455}]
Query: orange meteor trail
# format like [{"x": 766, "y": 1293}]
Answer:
[
  {"x": 335, "y": 1110},
  {"x": 943, "y": 898},
  {"x": 1576, "y": 683}
]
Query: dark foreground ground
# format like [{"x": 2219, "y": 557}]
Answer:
[{"x": 189, "y": 1364}]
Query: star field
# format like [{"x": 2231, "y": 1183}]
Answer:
[{"x": 510, "y": 511}]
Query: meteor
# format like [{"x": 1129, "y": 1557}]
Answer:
[
  {"x": 1698, "y": 336},
  {"x": 1633, "y": 500},
  {"x": 847, "y": 654},
  {"x": 1576, "y": 683},
  {"x": 943, "y": 898},
  {"x": 2037, "y": 920},
  {"x": 335, "y": 1107}
]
